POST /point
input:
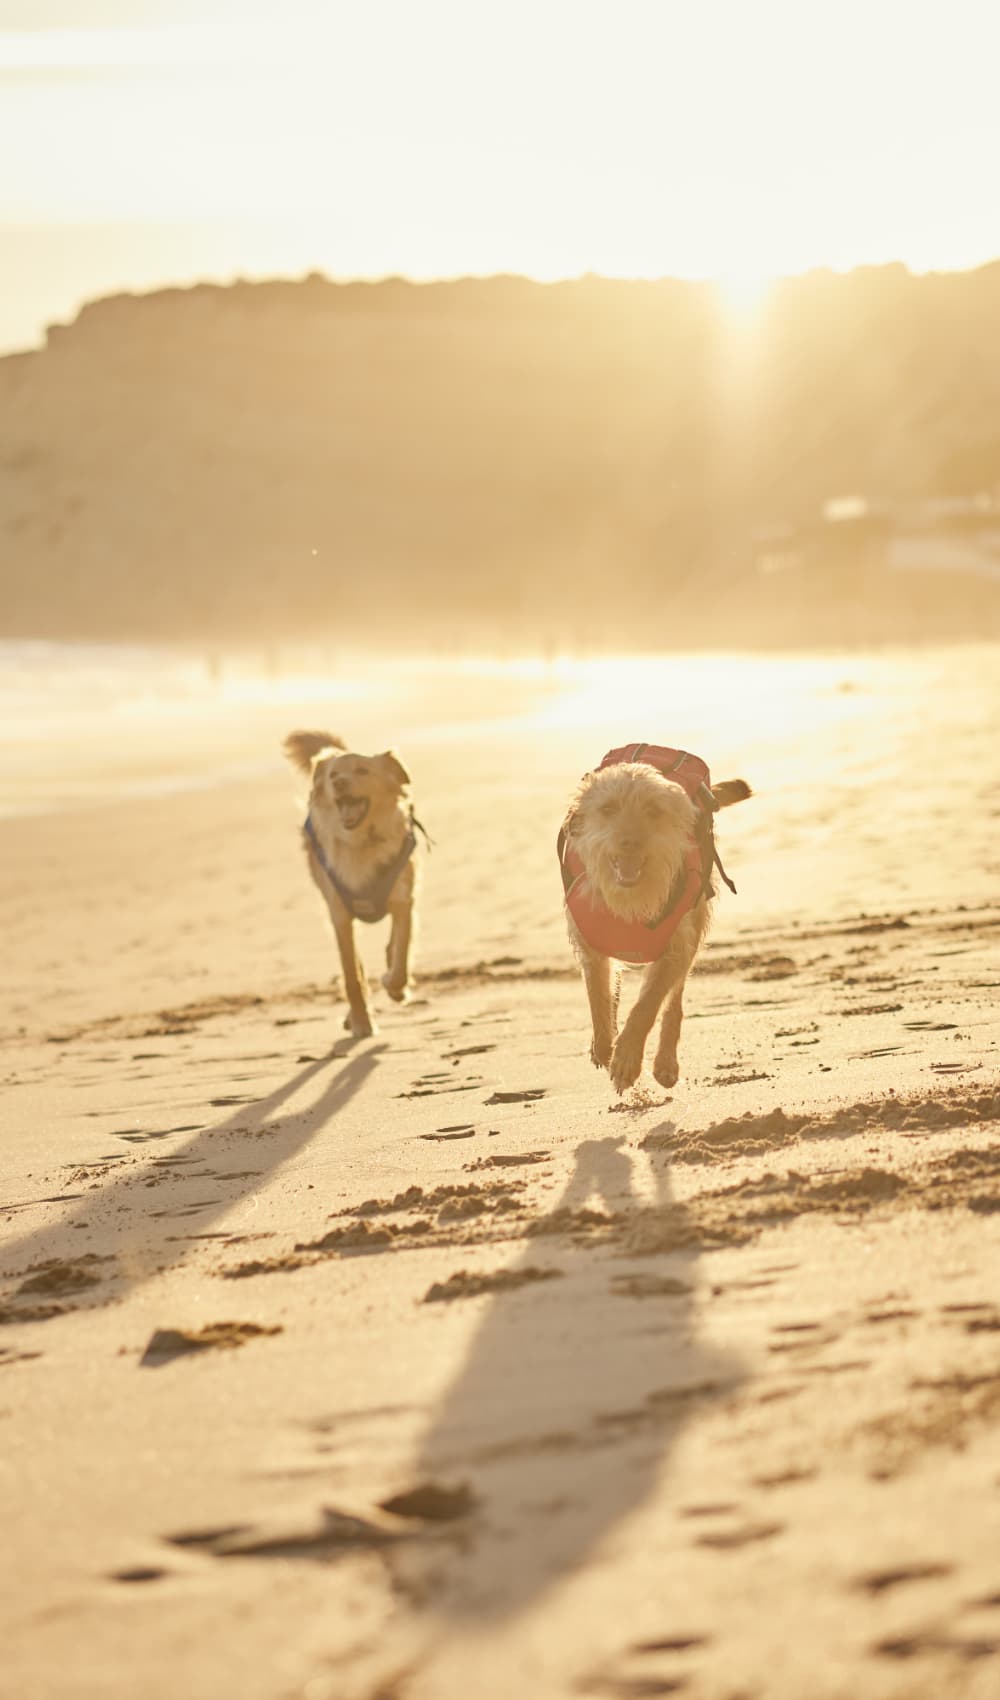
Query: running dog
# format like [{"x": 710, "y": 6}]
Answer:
[
  {"x": 359, "y": 837},
  {"x": 637, "y": 852}
]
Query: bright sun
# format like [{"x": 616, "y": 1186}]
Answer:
[{"x": 742, "y": 292}]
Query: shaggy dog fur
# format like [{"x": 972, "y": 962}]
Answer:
[
  {"x": 630, "y": 828},
  {"x": 359, "y": 807}
]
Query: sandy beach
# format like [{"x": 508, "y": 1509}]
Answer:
[{"x": 423, "y": 1367}]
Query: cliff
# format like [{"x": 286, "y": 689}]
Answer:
[{"x": 570, "y": 463}]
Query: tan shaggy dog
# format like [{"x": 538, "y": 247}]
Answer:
[
  {"x": 631, "y": 830},
  {"x": 360, "y": 845}
]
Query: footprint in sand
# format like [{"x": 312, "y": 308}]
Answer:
[
  {"x": 671, "y": 1644},
  {"x": 431, "y": 1502},
  {"x": 872, "y": 1009},
  {"x": 963, "y": 1647},
  {"x": 59, "y": 1278},
  {"x": 530, "y": 1096},
  {"x": 207, "y": 1537},
  {"x": 881, "y": 1581},
  {"x": 28, "y": 1203},
  {"x": 169, "y": 1343},
  {"x": 632, "y": 1680},
  {"x": 191, "y": 1209},
  {"x": 431, "y": 1086},
  {"x": 842, "y": 1368},
  {"x": 632, "y": 1687},
  {"x": 507, "y": 1160},
  {"x": 783, "y": 1478},
  {"x": 329, "y": 1533},
  {"x": 16, "y": 1314},
  {"x": 465, "y": 1284},
  {"x": 644, "y": 1286},
  {"x": 730, "y": 1540}
]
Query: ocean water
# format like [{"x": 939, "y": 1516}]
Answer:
[{"x": 83, "y": 725}]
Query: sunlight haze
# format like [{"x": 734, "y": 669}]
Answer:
[{"x": 161, "y": 141}]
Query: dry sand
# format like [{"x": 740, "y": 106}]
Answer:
[{"x": 422, "y": 1367}]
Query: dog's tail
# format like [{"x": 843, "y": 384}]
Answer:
[
  {"x": 729, "y": 791},
  {"x": 302, "y": 748}
]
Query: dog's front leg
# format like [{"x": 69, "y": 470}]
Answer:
[
  {"x": 626, "y": 1061},
  {"x": 396, "y": 979},
  {"x": 666, "y": 1068},
  {"x": 359, "y": 1018},
  {"x": 603, "y": 1003}
]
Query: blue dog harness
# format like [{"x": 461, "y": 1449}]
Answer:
[{"x": 371, "y": 904}]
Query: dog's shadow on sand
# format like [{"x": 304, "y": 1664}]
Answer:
[
  {"x": 571, "y": 1398},
  {"x": 147, "y": 1219}
]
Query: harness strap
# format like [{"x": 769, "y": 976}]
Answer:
[
  {"x": 371, "y": 904},
  {"x": 428, "y": 840},
  {"x": 717, "y": 859}
]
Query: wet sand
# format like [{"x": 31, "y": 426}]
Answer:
[{"x": 424, "y": 1367}]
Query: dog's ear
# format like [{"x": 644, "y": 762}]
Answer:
[
  {"x": 730, "y": 791},
  {"x": 320, "y": 765},
  {"x": 302, "y": 748},
  {"x": 390, "y": 763}
]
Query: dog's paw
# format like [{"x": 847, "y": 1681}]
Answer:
[
  {"x": 359, "y": 1026},
  {"x": 626, "y": 1062},
  {"x": 399, "y": 993},
  {"x": 666, "y": 1071}
]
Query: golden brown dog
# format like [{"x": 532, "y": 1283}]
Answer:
[
  {"x": 360, "y": 843},
  {"x": 633, "y": 835}
]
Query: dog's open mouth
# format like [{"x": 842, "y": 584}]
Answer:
[
  {"x": 628, "y": 870},
  {"x": 352, "y": 811}
]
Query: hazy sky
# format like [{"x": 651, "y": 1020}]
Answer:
[{"x": 159, "y": 140}]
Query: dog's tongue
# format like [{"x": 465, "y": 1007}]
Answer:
[
  {"x": 627, "y": 869},
  {"x": 353, "y": 811}
]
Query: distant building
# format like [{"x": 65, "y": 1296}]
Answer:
[
  {"x": 852, "y": 537},
  {"x": 849, "y": 535},
  {"x": 776, "y": 549}
]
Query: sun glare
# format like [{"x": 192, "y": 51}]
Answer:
[{"x": 742, "y": 293}]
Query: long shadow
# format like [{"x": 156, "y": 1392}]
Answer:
[
  {"x": 572, "y": 1395},
  {"x": 147, "y": 1221}
]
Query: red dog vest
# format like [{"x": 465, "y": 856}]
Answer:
[{"x": 645, "y": 941}]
